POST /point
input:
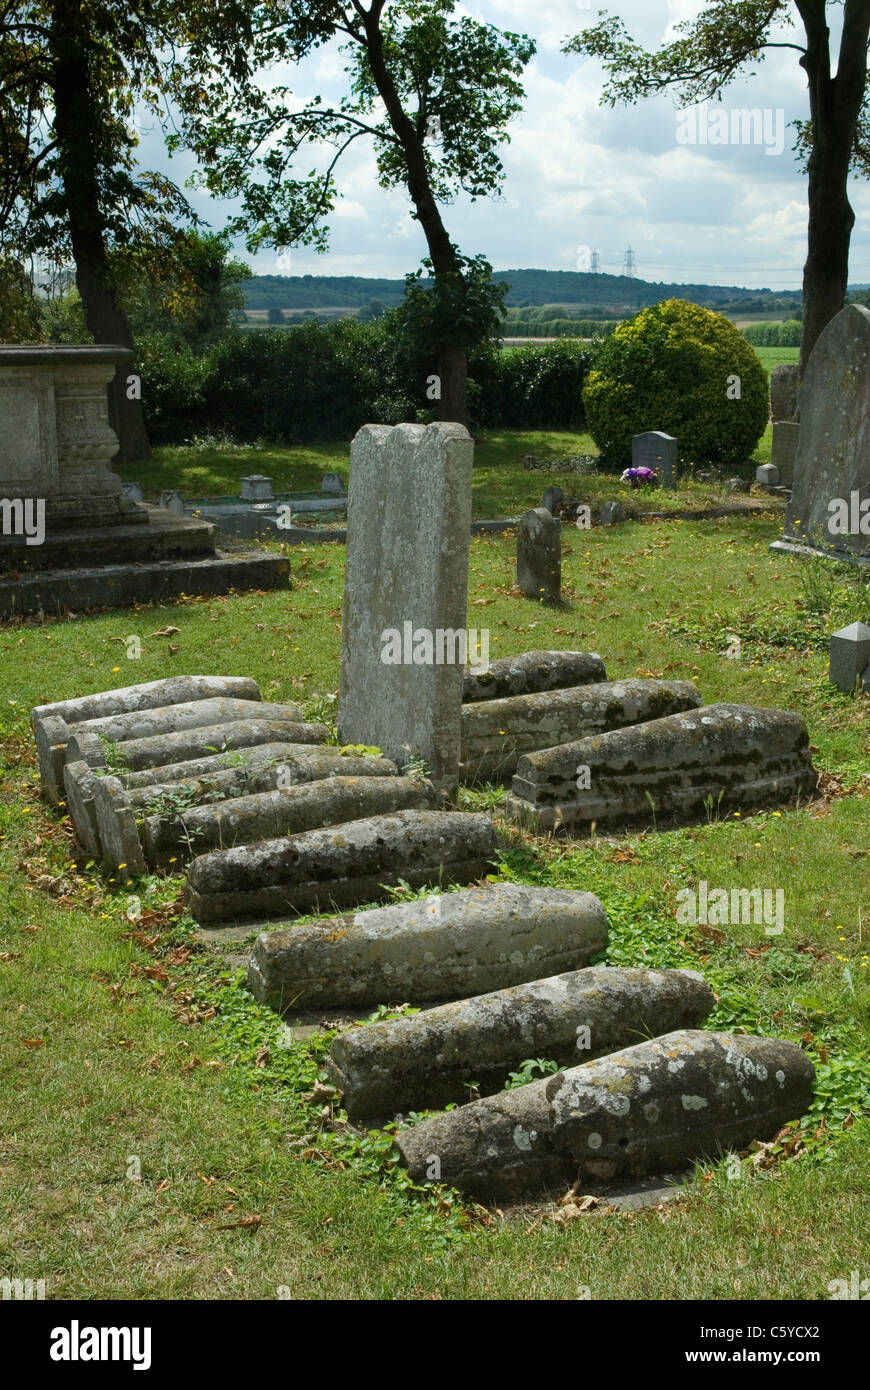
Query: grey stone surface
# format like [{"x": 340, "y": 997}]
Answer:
[
  {"x": 611, "y": 513},
  {"x": 120, "y": 842},
  {"x": 497, "y": 733},
  {"x": 784, "y": 449},
  {"x": 656, "y": 450},
  {"x": 728, "y": 756},
  {"x": 539, "y": 556},
  {"x": 343, "y": 866},
  {"x": 332, "y": 482},
  {"x": 552, "y": 500},
  {"x": 651, "y": 1108},
  {"x": 850, "y": 656},
  {"x": 245, "y": 820},
  {"x": 174, "y": 690},
  {"x": 192, "y": 714},
  {"x": 767, "y": 474},
  {"x": 78, "y": 781},
  {"x": 56, "y": 443},
  {"x": 172, "y": 501},
  {"x": 78, "y": 589},
  {"x": 424, "y": 1061},
  {"x": 833, "y": 459},
  {"x": 133, "y": 491},
  {"x": 784, "y": 386},
  {"x": 159, "y": 825},
  {"x": 443, "y": 947},
  {"x": 260, "y": 768},
  {"x": 409, "y": 515},
  {"x": 150, "y": 695},
  {"x": 738, "y": 485},
  {"x": 256, "y": 487},
  {"x": 54, "y": 737},
  {"x": 532, "y": 671},
  {"x": 162, "y": 749},
  {"x": 677, "y": 1098}
]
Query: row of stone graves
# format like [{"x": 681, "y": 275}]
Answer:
[{"x": 269, "y": 820}]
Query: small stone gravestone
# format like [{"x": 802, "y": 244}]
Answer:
[
  {"x": 767, "y": 474},
  {"x": 829, "y": 510},
  {"x": 657, "y": 451},
  {"x": 552, "y": 500},
  {"x": 133, "y": 491},
  {"x": 256, "y": 488},
  {"x": 172, "y": 501},
  {"x": 786, "y": 437},
  {"x": 611, "y": 513},
  {"x": 539, "y": 556},
  {"x": 850, "y": 656},
  {"x": 333, "y": 483}
]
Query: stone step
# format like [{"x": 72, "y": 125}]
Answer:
[
  {"x": 156, "y": 581},
  {"x": 155, "y": 535}
]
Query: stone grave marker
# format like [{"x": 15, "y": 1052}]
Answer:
[
  {"x": 784, "y": 386},
  {"x": 256, "y": 488},
  {"x": 406, "y": 593},
  {"x": 539, "y": 556},
  {"x": 657, "y": 451},
  {"x": 783, "y": 453},
  {"x": 552, "y": 500},
  {"x": 829, "y": 510},
  {"x": 850, "y": 656}
]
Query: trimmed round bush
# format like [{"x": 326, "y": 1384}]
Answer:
[{"x": 672, "y": 368}]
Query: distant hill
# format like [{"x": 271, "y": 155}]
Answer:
[{"x": 604, "y": 294}]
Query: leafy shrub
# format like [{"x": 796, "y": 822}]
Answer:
[
  {"x": 668, "y": 369},
  {"x": 173, "y": 378},
  {"x": 530, "y": 388},
  {"x": 323, "y": 381}
]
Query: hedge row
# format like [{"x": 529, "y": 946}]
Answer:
[
  {"x": 786, "y": 334},
  {"x": 323, "y": 381},
  {"x": 559, "y": 328}
]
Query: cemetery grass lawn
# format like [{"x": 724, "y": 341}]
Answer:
[
  {"x": 502, "y": 486},
  {"x": 109, "y": 1051}
]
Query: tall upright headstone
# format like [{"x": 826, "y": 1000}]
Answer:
[
  {"x": 829, "y": 510},
  {"x": 657, "y": 451},
  {"x": 403, "y": 638}
]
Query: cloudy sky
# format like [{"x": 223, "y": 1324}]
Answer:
[{"x": 580, "y": 175}]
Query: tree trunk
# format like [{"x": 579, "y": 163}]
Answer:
[
  {"x": 76, "y": 120},
  {"x": 453, "y": 371},
  {"x": 826, "y": 273},
  {"x": 835, "y": 108},
  {"x": 452, "y": 357}
]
